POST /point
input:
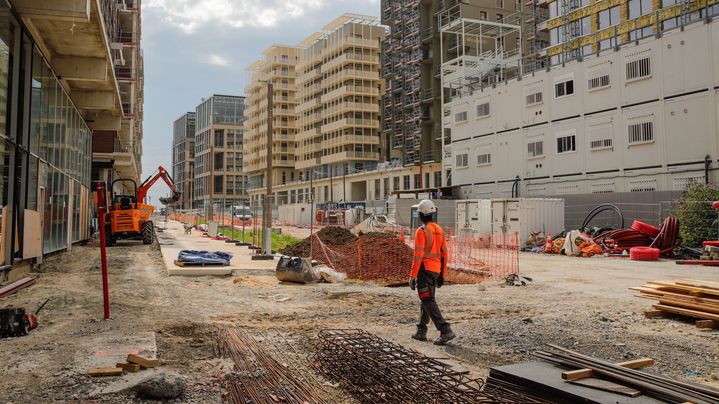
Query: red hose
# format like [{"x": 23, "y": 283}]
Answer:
[
  {"x": 645, "y": 228},
  {"x": 621, "y": 240},
  {"x": 644, "y": 254}
]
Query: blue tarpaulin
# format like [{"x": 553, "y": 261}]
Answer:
[{"x": 207, "y": 257}]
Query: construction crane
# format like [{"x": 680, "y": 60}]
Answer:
[{"x": 129, "y": 217}]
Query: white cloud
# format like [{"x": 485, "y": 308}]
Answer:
[
  {"x": 189, "y": 15},
  {"x": 218, "y": 60}
]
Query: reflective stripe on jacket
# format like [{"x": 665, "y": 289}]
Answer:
[{"x": 430, "y": 249}]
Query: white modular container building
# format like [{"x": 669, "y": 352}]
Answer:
[{"x": 527, "y": 215}]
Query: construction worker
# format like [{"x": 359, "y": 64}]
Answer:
[{"x": 428, "y": 270}]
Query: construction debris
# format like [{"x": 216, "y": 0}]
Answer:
[
  {"x": 202, "y": 258},
  {"x": 258, "y": 377},
  {"x": 16, "y": 286},
  {"x": 102, "y": 372},
  {"x": 661, "y": 387},
  {"x": 375, "y": 370},
  {"x": 129, "y": 367},
  {"x": 691, "y": 298},
  {"x": 144, "y": 362}
]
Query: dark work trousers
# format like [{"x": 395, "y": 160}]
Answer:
[{"x": 426, "y": 284}]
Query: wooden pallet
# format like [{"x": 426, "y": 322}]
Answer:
[{"x": 199, "y": 264}]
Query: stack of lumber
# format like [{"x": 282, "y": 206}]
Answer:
[{"x": 686, "y": 297}]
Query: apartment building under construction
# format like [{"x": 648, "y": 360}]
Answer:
[
  {"x": 277, "y": 67},
  {"x": 412, "y": 108},
  {"x": 339, "y": 90}
]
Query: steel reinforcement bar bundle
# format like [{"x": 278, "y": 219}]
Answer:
[
  {"x": 661, "y": 387},
  {"x": 375, "y": 370},
  {"x": 257, "y": 377}
]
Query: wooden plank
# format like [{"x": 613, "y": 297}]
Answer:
[
  {"x": 688, "y": 305},
  {"x": 129, "y": 367},
  {"x": 687, "y": 312},
  {"x": 32, "y": 235},
  {"x": 144, "y": 362},
  {"x": 689, "y": 288},
  {"x": 101, "y": 372},
  {"x": 706, "y": 324},
  {"x": 606, "y": 385},
  {"x": 709, "y": 263},
  {"x": 653, "y": 314},
  {"x": 698, "y": 283},
  {"x": 657, "y": 294},
  {"x": 584, "y": 373}
]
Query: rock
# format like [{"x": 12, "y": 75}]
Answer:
[
  {"x": 162, "y": 386},
  {"x": 714, "y": 376}
]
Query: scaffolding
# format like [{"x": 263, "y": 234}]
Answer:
[{"x": 475, "y": 52}]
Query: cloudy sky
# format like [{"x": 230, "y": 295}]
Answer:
[{"x": 195, "y": 48}]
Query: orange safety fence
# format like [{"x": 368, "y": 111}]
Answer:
[{"x": 387, "y": 258}]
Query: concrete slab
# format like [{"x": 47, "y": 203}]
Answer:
[
  {"x": 173, "y": 239},
  {"x": 108, "y": 350}
]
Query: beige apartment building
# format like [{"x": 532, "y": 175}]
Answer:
[
  {"x": 277, "y": 67},
  {"x": 333, "y": 100}
]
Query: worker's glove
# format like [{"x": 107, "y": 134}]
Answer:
[
  {"x": 440, "y": 281},
  {"x": 412, "y": 283}
]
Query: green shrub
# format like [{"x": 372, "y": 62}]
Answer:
[{"x": 697, "y": 218}]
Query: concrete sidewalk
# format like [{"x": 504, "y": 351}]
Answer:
[{"x": 172, "y": 239}]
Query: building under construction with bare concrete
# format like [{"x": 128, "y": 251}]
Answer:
[{"x": 412, "y": 107}]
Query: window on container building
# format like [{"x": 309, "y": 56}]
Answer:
[
  {"x": 405, "y": 181},
  {"x": 438, "y": 179},
  {"x": 377, "y": 190},
  {"x": 638, "y": 8},
  {"x": 395, "y": 184},
  {"x": 608, "y": 18},
  {"x": 417, "y": 181}
]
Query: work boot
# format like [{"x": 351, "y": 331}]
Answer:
[
  {"x": 420, "y": 335},
  {"x": 444, "y": 338}
]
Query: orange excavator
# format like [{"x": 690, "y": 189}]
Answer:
[{"x": 130, "y": 218}]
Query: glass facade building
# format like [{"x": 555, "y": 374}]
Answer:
[
  {"x": 219, "y": 137},
  {"x": 46, "y": 153}
]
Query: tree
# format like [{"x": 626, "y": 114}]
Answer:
[{"x": 697, "y": 218}]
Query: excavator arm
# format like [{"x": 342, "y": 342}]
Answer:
[{"x": 151, "y": 180}]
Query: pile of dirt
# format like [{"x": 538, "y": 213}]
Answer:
[
  {"x": 376, "y": 234},
  {"x": 331, "y": 235}
]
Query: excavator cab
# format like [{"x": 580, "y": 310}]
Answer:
[{"x": 130, "y": 218}]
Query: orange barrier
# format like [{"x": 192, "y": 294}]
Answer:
[{"x": 387, "y": 259}]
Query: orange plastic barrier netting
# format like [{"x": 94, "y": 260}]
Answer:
[{"x": 387, "y": 258}]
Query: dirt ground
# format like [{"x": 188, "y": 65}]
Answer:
[{"x": 582, "y": 304}]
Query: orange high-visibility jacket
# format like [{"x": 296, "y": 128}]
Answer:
[{"x": 430, "y": 249}]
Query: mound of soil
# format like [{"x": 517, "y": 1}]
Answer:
[{"x": 331, "y": 235}]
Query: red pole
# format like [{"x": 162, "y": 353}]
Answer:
[{"x": 103, "y": 250}]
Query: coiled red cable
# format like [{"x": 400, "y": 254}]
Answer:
[
  {"x": 644, "y": 254},
  {"x": 645, "y": 228},
  {"x": 624, "y": 239}
]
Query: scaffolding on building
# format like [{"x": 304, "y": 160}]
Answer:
[{"x": 474, "y": 52}]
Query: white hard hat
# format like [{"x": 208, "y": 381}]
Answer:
[{"x": 426, "y": 207}]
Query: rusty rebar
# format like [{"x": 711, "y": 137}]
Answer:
[
  {"x": 375, "y": 370},
  {"x": 257, "y": 377}
]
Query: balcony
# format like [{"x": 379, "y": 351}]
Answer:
[
  {"x": 309, "y": 163},
  {"x": 350, "y": 140},
  {"x": 345, "y": 91},
  {"x": 349, "y": 155},
  {"x": 308, "y": 134},
  {"x": 350, "y": 123},
  {"x": 349, "y": 58},
  {"x": 349, "y": 107}
]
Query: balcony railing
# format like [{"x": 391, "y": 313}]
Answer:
[{"x": 124, "y": 73}]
